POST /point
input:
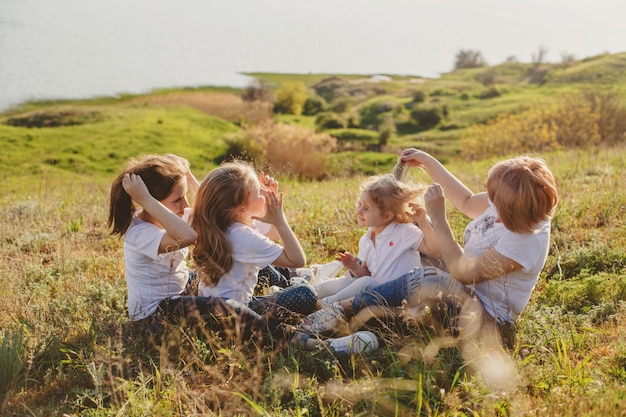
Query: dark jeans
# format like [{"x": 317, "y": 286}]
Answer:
[
  {"x": 286, "y": 305},
  {"x": 274, "y": 275},
  {"x": 234, "y": 321}
]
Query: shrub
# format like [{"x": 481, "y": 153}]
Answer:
[
  {"x": 574, "y": 122},
  {"x": 372, "y": 114},
  {"x": 491, "y": 92},
  {"x": 354, "y": 139},
  {"x": 611, "y": 115},
  {"x": 419, "y": 96},
  {"x": 468, "y": 58},
  {"x": 488, "y": 77},
  {"x": 258, "y": 91},
  {"x": 329, "y": 121},
  {"x": 314, "y": 105},
  {"x": 387, "y": 130},
  {"x": 427, "y": 118},
  {"x": 290, "y": 98},
  {"x": 341, "y": 105},
  {"x": 330, "y": 88},
  {"x": 285, "y": 148},
  {"x": 49, "y": 118}
]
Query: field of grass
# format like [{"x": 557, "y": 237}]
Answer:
[{"x": 67, "y": 347}]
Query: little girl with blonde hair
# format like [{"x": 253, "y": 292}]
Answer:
[{"x": 392, "y": 243}]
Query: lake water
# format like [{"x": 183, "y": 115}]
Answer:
[{"x": 86, "y": 48}]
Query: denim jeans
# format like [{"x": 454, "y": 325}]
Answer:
[{"x": 393, "y": 293}]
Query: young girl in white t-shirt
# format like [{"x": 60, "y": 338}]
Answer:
[
  {"x": 231, "y": 209},
  {"x": 156, "y": 239},
  {"x": 392, "y": 244}
]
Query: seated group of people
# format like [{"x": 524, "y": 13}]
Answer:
[{"x": 238, "y": 219}]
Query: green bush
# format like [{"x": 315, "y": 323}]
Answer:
[
  {"x": 329, "y": 121},
  {"x": 491, "y": 92},
  {"x": 290, "y": 98},
  {"x": 372, "y": 114},
  {"x": 427, "y": 118},
  {"x": 419, "y": 96},
  {"x": 314, "y": 105},
  {"x": 354, "y": 139}
]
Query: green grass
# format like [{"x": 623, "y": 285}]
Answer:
[
  {"x": 64, "y": 315},
  {"x": 67, "y": 346},
  {"x": 119, "y": 134}
]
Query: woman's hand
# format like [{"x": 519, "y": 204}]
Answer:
[
  {"x": 414, "y": 157},
  {"x": 435, "y": 201}
]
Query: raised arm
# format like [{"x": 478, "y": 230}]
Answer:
[
  {"x": 467, "y": 270},
  {"x": 179, "y": 233},
  {"x": 468, "y": 203},
  {"x": 293, "y": 255}
]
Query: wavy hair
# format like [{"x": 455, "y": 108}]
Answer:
[
  {"x": 393, "y": 196},
  {"x": 220, "y": 194},
  {"x": 523, "y": 190}
]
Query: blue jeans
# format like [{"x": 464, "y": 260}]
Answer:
[{"x": 393, "y": 293}]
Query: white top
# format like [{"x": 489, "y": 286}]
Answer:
[
  {"x": 151, "y": 277},
  {"x": 251, "y": 251},
  {"x": 395, "y": 252},
  {"x": 504, "y": 298}
]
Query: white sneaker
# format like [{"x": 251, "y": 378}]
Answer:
[
  {"x": 324, "y": 320},
  {"x": 359, "y": 342},
  {"x": 325, "y": 272},
  {"x": 306, "y": 273},
  {"x": 273, "y": 289},
  {"x": 299, "y": 281}
]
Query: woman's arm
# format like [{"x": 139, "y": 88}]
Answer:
[
  {"x": 179, "y": 233},
  {"x": 468, "y": 203},
  {"x": 466, "y": 270}
]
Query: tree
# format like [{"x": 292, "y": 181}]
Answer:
[
  {"x": 467, "y": 58},
  {"x": 290, "y": 98},
  {"x": 539, "y": 57}
]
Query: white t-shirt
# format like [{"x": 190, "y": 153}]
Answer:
[
  {"x": 251, "y": 251},
  {"x": 151, "y": 277},
  {"x": 395, "y": 253},
  {"x": 504, "y": 298}
]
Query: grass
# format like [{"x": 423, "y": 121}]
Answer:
[
  {"x": 64, "y": 319},
  {"x": 66, "y": 346}
]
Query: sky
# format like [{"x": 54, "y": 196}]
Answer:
[{"x": 79, "y": 48}]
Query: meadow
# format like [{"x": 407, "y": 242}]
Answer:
[{"x": 67, "y": 347}]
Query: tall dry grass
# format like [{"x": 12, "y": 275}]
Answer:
[{"x": 226, "y": 106}]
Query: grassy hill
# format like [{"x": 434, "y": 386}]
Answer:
[{"x": 66, "y": 346}]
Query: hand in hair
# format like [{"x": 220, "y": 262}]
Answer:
[{"x": 135, "y": 187}]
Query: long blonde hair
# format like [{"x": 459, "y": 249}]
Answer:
[
  {"x": 393, "y": 196},
  {"x": 220, "y": 194}
]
